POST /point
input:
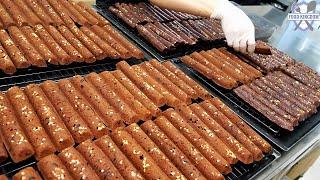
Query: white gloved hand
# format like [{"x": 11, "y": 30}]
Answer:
[{"x": 237, "y": 27}]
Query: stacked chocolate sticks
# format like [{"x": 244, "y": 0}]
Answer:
[
  {"x": 172, "y": 35},
  {"x": 269, "y": 62},
  {"x": 143, "y": 13},
  {"x": 167, "y": 30},
  {"x": 304, "y": 74},
  {"x": 281, "y": 99},
  {"x": 286, "y": 97},
  {"x": 222, "y": 67}
]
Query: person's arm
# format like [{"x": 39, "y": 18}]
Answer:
[
  {"x": 195, "y": 7},
  {"x": 237, "y": 27}
]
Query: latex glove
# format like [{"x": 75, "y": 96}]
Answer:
[{"x": 237, "y": 27}]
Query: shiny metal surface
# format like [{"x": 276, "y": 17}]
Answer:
[
  {"x": 288, "y": 159},
  {"x": 302, "y": 45}
]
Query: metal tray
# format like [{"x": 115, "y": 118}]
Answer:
[
  {"x": 10, "y": 168},
  {"x": 280, "y": 137},
  {"x": 26, "y": 76},
  {"x": 250, "y": 171},
  {"x": 264, "y": 30},
  {"x": 102, "y": 8},
  {"x": 38, "y": 75},
  {"x": 239, "y": 170}
]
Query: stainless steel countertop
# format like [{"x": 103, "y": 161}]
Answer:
[{"x": 288, "y": 159}]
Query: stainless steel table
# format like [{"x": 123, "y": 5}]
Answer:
[{"x": 288, "y": 159}]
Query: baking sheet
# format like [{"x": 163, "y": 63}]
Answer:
[{"x": 282, "y": 138}]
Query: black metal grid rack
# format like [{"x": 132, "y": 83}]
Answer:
[
  {"x": 9, "y": 168},
  {"x": 37, "y": 75},
  {"x": 102, "y": 8},
  {"x": 22, "y": 79},
  {"x": 32, "y": 74},
  {"x": 278, "y": 136},
  {"x": 239, "y": 170},
  {"x": 245, "y": 171}
]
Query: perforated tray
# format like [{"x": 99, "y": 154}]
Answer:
[
  {"x": 280, "y": 137},
  {"x": 37, "y": 75},
  {"x": 240, "y": 170}
]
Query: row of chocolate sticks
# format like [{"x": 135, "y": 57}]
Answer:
[
  {"x": 47, "y": 12},
  {"x": 42, "y": 119},
  {"x": 200, "y": 141},
  {"x": 24, "y": 46}
]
